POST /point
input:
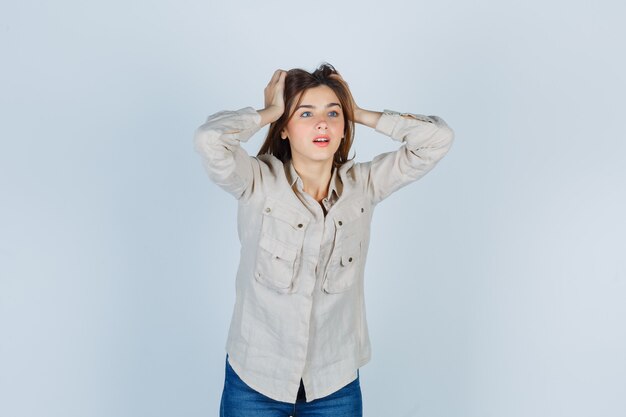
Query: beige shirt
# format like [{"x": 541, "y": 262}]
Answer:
[{"x": 299, "y": 311}]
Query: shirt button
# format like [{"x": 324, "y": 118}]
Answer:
[
  {"x": 267, "y": 210},
  {"x": 350, "y": 259},
  {"x": 362, "y": 210},
  {"x": 340, "y": 223},
  {"x": 300, "y": 225}
]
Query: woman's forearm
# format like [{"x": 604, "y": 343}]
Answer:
[
  {"x": 366, "y": 117},
  {"x": 270, "y": 114}
]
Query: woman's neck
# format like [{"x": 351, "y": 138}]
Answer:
[{"x": 315, "y": 177}]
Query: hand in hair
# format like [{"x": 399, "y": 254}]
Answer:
[
  {"x": 365, "y": 117},
  {"x": 339, "y": 78},
  {"x": 274, "y": 101}
]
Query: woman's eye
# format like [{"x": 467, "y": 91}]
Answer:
[
  {"x": 306, "y": 114},
  {"x": 333, "y": 114}
]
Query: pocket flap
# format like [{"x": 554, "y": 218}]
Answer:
[
  {"x": 278, "y": 249},
  {"x": 349, "y": 258},
  {"x": 285, "y": 213}
]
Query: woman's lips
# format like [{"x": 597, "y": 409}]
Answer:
[{"x": 321, "y": 141}]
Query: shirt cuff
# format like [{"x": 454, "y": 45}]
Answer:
[
  {"x": 389, "y": 121},
  {"x": 250, "y": 115}
]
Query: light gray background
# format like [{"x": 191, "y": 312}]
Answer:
[{"x": 496, "y": 285}]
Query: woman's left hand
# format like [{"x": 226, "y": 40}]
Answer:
[
  {"x": 355, "y": 107},
  {"x": 365, "y": 117}
]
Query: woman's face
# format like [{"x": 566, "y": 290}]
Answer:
[{"x": 316, "y": 127}]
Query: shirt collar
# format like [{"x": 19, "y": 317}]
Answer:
[{"x": 334, "y": 188}]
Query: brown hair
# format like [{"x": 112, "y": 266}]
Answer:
[{"x": 296, "y": 82}]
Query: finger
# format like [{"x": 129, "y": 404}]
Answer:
[
  {"x": 276, "y": 76},
  {"x": 281, "y": 79}
]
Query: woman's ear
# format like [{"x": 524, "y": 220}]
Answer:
[{"x": 283, "y": 134}]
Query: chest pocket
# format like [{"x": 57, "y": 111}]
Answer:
[
  {"x": 344, "y": 268},
  {"x": 280, "y": 246}
]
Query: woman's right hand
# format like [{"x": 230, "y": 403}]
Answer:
[{"x": 274, "y": 100}]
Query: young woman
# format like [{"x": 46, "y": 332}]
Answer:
[{"x": 298, "y": 334}]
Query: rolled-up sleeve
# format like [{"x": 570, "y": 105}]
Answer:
[
  {"x": 218, "y": 142},
  {"x": 426, "y": 139}
]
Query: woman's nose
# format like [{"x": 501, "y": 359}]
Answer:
[{"x": 322, "y": 124}]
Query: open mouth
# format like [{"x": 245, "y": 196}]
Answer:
[{"x": 321, "y": 140}]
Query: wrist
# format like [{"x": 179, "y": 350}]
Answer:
[
  {"x": 269, "y": 114},
  {"x": 358, "y": 115},
  {"x": 366, "y": 117}
]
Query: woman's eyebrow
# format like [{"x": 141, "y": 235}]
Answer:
[{"x": 310, "y": 106}]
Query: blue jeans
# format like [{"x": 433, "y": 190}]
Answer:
[{"x": 239, "y": 400}]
